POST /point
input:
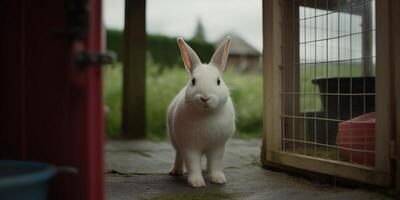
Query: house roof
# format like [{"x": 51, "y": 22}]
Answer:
[{"x": 239, "y": 46}]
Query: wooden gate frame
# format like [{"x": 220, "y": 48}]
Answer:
[
  {"x": 395, "y": 58},
  {"x": 385, "y": 101}
]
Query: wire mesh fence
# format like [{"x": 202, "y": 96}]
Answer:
[{"x": 328, "y": 79}]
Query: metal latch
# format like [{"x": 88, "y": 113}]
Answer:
[
  {"x": 392, "y": 149},
  {"x": 84, "y": 58}
]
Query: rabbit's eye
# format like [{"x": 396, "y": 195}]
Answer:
[
  {"x": 193, "y": 82},
  {"x": 218, "y": 81}
]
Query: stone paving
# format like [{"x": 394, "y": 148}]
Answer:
[{"x": 139, "y": 170}]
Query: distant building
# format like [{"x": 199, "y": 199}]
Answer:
[{"x": 242, "y": 56}]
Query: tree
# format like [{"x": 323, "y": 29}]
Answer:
[{"x": 199, "y": 34}]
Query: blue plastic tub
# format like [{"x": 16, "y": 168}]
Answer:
[{"x": 24, "y": 180}]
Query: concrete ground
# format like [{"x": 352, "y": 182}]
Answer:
[{"x": 139, "y": 170}]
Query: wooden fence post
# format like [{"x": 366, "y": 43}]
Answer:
[{"x": 134, "y": 83}]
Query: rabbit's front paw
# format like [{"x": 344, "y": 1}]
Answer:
[
  {"x": 196, "y": 180},
  {"x": 218, "y": 178}
]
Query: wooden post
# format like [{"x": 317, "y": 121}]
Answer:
[
  {"x": 368, "y": 69},
  {"x": 271, "y": 60},
  {"x": 384, "y": 85},
  {"x": 134, "y": 84},
  {"x": 293, "y": 129},
  {"x": 395, "y": 17}
]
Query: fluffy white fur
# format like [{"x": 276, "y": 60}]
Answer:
[{"x": 201, "y": 118}]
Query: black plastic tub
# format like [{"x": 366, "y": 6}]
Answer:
[{"x": 342, "y": 98}]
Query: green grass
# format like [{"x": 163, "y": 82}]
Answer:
[
  {"x": 193, "y": 196},
  {"x": 246, "y": 92},
  {"x": 112, "y": 96}
]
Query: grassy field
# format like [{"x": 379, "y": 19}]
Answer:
[{"x": 246, "y": 92}]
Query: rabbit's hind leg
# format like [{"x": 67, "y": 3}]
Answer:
[{"x": 177, "y": 169}]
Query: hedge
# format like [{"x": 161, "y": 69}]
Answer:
[{"x": 163, "y": 50}]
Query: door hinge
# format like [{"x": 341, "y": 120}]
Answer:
[
  {"x": 392, "y": 149},
  {"x": 84, "y": 58}
]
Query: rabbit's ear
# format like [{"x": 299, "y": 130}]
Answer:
[
  {"x": 189, "y": 57},
  {"x": 220, "y": 56}
]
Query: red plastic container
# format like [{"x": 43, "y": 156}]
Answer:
[{"x": 356, "y": 139}]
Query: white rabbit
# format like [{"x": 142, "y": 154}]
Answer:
[{"x": 201, "y": 118}]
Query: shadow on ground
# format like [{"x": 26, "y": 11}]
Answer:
[{"x": 139, "y": 170}]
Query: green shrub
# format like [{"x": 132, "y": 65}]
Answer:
[
  {"x": 163, "y": 50},
  {"x": 115, "y": 43}
]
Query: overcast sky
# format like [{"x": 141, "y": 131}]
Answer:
[{"x": 179, "y": 18}]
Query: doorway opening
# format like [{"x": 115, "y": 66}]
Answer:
[{"x": 203, "y": 26}]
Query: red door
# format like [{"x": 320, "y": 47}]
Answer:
[{"x": 50, "y": 109}]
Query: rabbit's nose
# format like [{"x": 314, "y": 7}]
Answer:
[{"x": 205, "y": 99}]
